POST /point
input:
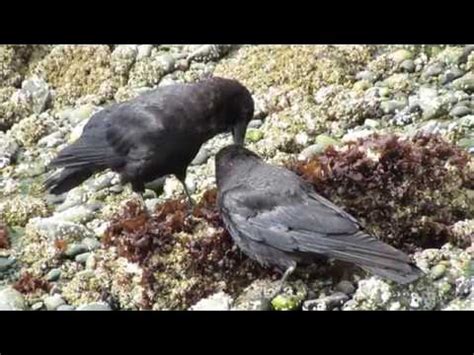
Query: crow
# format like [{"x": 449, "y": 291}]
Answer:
[
  {"x": 277, "y": 219},
  {"x": 155, "y": 134}
]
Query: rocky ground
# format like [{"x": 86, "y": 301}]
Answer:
[{"x": 327, "y": 112}]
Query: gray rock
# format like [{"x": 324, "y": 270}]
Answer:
[
  {"x": 326, "y": 303},
  {"x": 465, "y": 83},
  {"x": 151, "y": 203},
  {"x": 345, "y": 287},
  {"x": 391, "y": 106},
  {"x": 459, "y": 111},
  {"x": 166, "y": 63},
  {"x": 37, "y": 306},
  {"x": 438, "y": 271},
  {"x": 217, "y": 302},
  {"x": 433, "y": 70},
  {"x": 450, "y": 75},
  {"x": 116, "y": 189},
  {"x": 6, "y": 263},
  {"x": 95, "y": 306},
  {"x": 366, "y": 75},
  {"x": 11, "y": 299},
  {"x": 66, "y": 307},
  {"x": 53, "y": 302},
  {"x": 466, "y": 52},
  {"x": 201, "y": 157},
  {"x": 81, "y": 113},
  {"x": 408, "y": 65},
  {"x": 255, "y": 123},
  {"x": 51, "y": 140},
  {"x": 82, "y": 258},
  {"x": 156, "y": 185},
  {"x": 76, "y": 214},
  {"x": 75, "y": 249},
  {"x": 102, "y": 182},
  {"x": 311, "y": 151},
  {"x": 53, "y": 275},
  {"x": 8, "y": 150},
  {"x": 91, "y": 243},
  {"x": 144, "y": 51},
  {"x": 38, "y": 90}
]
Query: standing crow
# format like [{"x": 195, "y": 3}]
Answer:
[
  {"x": 278, "y": 219},
  {"x": 155, "y": 134}
]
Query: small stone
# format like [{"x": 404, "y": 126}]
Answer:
[
  {"x": 217, "y": 302},
  {"x": 166, "y": 63},
  {"x": 408, "y": 65},
  {"x": 144, "y": 51},
  {"x": 75, "y": 249},
  {"x": 326, "y": 303},
  {"x": 400, "y": 55},
  {"x": 66, "y": 307},
  {"x": 345, "y": 287},
  {"x": 53, "y": 302},
  {"x": 302, "y": 138},
  {"x": 366, "y": 75},
  {"x": 152, "y": 203},
  {"x": 91, "y": 243},
  {"x": 95, "y": 306},
  {"x": 311, "y": 151},
  {"x": 116, "y": 189},
  {"x": 465, "y": 83},
  {"x": 361, "y": 85},
  {"x": 6, "y": 263},
  {"x": 326, "y": 140},
  {"x": 11, "y": 299},
  {"x": 82, "y": 258},
  {"x": 391, "y": 106},
  {"x": 451, "y": 75},
  {"x": 8, "y": 150},
  {"x": 39, "y": 92},
  {"x": 76, "y": 214},
  {"x": 459, "y": 111},
  {"x": 371, "y": 123},
  {"x": 156, "y": 185},
  {"x": 201, "y": 157},
  {"x": 286, "y": 303},
  {"x": 438, "y": 271},
  {"x": 433, "y": 70},
  {"x": 53, "y": 275},
  {"x": 255, "y": 124},
  {"x": 254, "y": 135},
  {"x": 81, "y": 113},
  {"x": 37, "y": 306}
]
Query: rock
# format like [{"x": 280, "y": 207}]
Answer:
[
  {"x": 6, "y": 263},
  {"x": 459, "y": 111},
  {"x": 311, "y": 151},
  {"x": 52, "y": 229},
  {"x": 53, "y": 275},
  {"x": 82, "y": 258},
  {"x": 8, "y": 150},
  {"x": 450, "y": 75},
  {"x": 156, "y": 185},
  {"x": 345, "y": 287},
  {"x": 255, "y": 124},
  {"x": 95, "y": 306},
  {"x": 51, "y": 140},
  {"x": 391, "y": 106},
  {"x": 166, "y": 63},
  {"x": 451, "y": 55},
  {"x": 429, "y": 103},
  {"x": 77, "y": 131},
  {"x": 144, "y": 51},
  {"x": 91, "y": 243},
  {"x": 254, "y": 135},
  {"x": 326, "y": 303},
  {"x": 152, "y": 203},
  {"x": 371, "y": 123},
  {"x": 66, "y": 307},
  {"x": 37, "y": 306},
  {"x": 366, "y": 75},
  {"x": 102, "y": 182},
  {"x": 438, "y": 271},
  {"x": 201, "y": 157},
  {"x": 76, "y": 214},
  {"x": 408, "y": 65},
  {"x": 465, "y": 83},
  {"x": 53, "y": 302},
  {"x": 75, "y": 249},
  {"x": 11, "y": 299},
  {"x": 81, "y": 113},
  {"x": 433, "y": 70},
  {"x": 286, "y": 303},
  {"x": 39, "y": 92},
  {"x": 217, "y": 302},
  {"x": 326, "y": 140},
  {"x": 302, "y": 139},
  {"x": 116, "y": 189},
  {"x": 400, "y": 55}
]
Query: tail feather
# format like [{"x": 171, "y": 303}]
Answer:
[{"x": 67, "y": 179}]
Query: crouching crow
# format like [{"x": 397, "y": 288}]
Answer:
[
  {"x": 276, "y": 218},
  {"x": 155, "y": 134}
]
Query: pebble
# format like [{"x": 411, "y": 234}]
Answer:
[
  {"x": 254, "y": 135},
  {"x": 82, "y": 258},
  {"x": 326, "y": 303},
  {"x": 77, "y": 214},
  {"x": 391, "y": 106},
  {"x": 37, "y": 306},
  {"x": 201, "y": 157},
  {"x": 366, "y": 75},
  {"x": 11, "y": 299},
  {"x": 38, "y": 90},
  {"x": 75, "y": 249},
  {"x": 311, "y": 151},
  {"x": 438, "y": 271},
  {"x": 52, "y": 229},
  {"x": 400, "y": 55},
  {"x": 53, "y": 275},
  {"x": 91, "y": 243},
  {"x": 144, "y": 51},
  {"x": 6, "y": 263},
  {"x": 151, "y": 203},
  {"x": 217, "y": 302},
  {"x": 8, "y": 150},
  {"x": 433, "y": 70},
  {"x": 345, "y": 287},
  {"x": 450, "y": 75},
  {"x": 156, "y": 185},
  {"x": 53, "y": 302},
  {"x": 81, "y": 113},
  {"x": 167, "y": 63},
  {"x": 94, "y": 306},
  {"x": 66, "y": 307},
  {"x": 255, "y": 124},
  {"x": 459, "y": 111},
  {"x": 408, "y": 65},
  {"x": 465, "y": 83}
]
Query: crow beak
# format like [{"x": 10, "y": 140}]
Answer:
[{"x": 238, "y": 133}]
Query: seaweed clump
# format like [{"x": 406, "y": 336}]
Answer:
[
  {"x": 28, "y": 283},
  {"x": 4, "y": 240},
  {"x": 185, "y": 255},
  {"x": 409, "y": 192}
]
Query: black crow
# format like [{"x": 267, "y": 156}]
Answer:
[
  {"x": 276, "y": 218},
  {"x": 155, "y": 134}
]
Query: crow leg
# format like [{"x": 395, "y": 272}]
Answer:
[
  {"x": 182, "y": 179},
  {"x": 139, "y": 197},
  {"x": 282, "y": 281}
]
